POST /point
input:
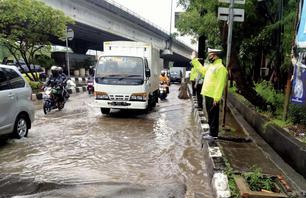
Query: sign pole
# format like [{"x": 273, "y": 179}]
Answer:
[
  {"x": 69, "y": 36},
  {"x": 228, "y": 54},
  {"x": 67, "y": 57}
]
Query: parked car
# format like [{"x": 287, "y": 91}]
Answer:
[
  {"x": 36, "y": 69},
  {"x": 175, "y": 77},
  {"x": 22, "y": 67},
  {"x": 17, "y": 109}
]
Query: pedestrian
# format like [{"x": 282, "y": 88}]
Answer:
[
  {"x": 214, "y": 82},
  {"x": 193, "y": 76}
]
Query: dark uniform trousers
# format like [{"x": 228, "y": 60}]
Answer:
[
  {"x": 193, "y": 88},
  {"x": 199, "y": 95},
  {"x": 213, "y": 116}
]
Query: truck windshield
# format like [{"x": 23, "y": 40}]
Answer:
[{"x": 120, "y": 70}]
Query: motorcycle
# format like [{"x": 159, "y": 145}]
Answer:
[
  {"x": 90, "y": 86},
  {"x": 163, "y": 90},
  {"x": 54, "y": 98}
]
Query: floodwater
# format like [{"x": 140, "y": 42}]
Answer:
[{"x": 78, "y": 152}]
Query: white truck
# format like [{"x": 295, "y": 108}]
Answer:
[{"x": 127, "y": 76}]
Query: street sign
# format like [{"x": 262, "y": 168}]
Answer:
[
  {"x": 235, "y": 1},
  {"x": 70, "y": 34},
  {"x": 223, "y": 14}
]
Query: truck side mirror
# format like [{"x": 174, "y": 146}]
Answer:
[{"x": 148, "y": 73}]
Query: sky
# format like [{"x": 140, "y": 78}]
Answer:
[{"x": 157, "y": 12}]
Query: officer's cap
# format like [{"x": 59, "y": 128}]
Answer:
[{"x": 214, "y": 51}]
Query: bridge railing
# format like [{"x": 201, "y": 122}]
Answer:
[{"x": 142, "y": 18}]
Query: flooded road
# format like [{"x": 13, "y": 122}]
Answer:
[{"x": 78, "y": 152}]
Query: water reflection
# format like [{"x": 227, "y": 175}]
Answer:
[{"x": 79, "y": 146}]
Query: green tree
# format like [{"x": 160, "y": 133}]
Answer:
[
  {"x": 26, "y": 27},
  {"x": 265, "y": 33}
]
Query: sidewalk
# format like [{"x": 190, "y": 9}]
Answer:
[{"x": 244, "y": 149}]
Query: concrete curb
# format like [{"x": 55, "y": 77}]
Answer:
[
  {"x": 284, "y": 150},
  {"x": 79, "y": 79},
  {"x": 214, "y": 158},
  {"x": 39, "y": 96}
]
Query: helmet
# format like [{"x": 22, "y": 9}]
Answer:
[
  {"x": 163, "y": 73},
  {"x": 60, "y": 70},
  {"x": 54, "y": 70}
]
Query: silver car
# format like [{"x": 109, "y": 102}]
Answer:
[{"x": 16, "y": 106}]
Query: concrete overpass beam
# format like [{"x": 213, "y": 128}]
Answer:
[{"x": 78, "y": 46}]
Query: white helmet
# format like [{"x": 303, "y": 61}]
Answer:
[
  {"x": 60, "y": 69},
  {"x": 53, "y": 68}
]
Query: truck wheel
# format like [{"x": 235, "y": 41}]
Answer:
[{"x": 105, "y": 111}]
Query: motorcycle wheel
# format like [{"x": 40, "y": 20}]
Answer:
[
  {"x": 162, "y": 96},
  {"x": 46, "y": 108},
  {"x": 60, "y": 105}
]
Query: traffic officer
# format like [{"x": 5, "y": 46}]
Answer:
[
  {"x": 193, "y": 76},
  {"x": 214, "y": 82}
]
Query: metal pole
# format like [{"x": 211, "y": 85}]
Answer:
[
  {"x": 171, "y": 8},
  {"x": 67, "y": 56},
  {"x": 228, "y": 53}
]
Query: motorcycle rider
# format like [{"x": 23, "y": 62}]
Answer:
[
  {"x": 55, "y": 79},
  {"x": 163, "y": 79},
  {"x": 64, "y": 80}
]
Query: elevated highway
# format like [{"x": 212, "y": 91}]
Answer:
[{"x": 101, "y": 20}]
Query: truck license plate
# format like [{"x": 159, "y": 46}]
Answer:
[{"x": 119, "y": 103}]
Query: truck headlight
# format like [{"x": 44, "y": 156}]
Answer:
[
  {"x": 138, "y": 97},
  {"x": 101, "y": 95}
]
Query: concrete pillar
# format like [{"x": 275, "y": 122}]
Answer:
[{"x": 166, "y": 64}]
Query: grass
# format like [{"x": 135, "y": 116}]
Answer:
[{"x": 231, "y": 181}]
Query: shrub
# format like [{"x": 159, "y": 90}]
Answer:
[
  {"x": 297, "y": 113},
  {"x": 275, "y": 98},
  {"x": 35, "y": 85}
]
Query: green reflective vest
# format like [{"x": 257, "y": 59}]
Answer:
[
  {"x": 215, "y": 78},
  {"x": 193, "y": 74}
]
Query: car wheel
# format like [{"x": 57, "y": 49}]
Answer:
[
  {"x": 105, "y": 110},
  {"x": 21, "y": 127}
]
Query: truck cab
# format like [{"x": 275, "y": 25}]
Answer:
[{"x": 126, "y": 77}]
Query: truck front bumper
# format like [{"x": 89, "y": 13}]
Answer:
[{"x": 121, "y": 104}]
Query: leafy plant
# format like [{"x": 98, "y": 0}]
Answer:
[
  {"x": 257, "y": 181},
  {"x": 275, "y": 98},
  {"x": 297, "y": 113},
  {"x": 44, "y": 61}
]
